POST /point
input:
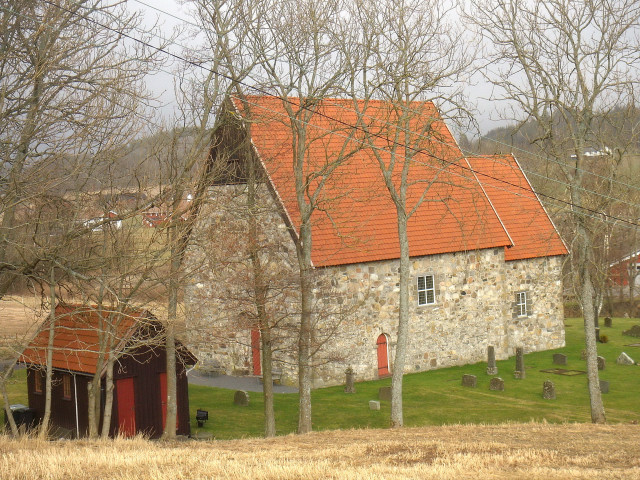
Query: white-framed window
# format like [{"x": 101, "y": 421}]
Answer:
[
  {"x": 521, "y": 304},
  {"x": 426, "y": 290}
]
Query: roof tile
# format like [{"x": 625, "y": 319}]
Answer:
[
  {"x": 76, "y": 340},
  {"x": 355, "y": 219}
]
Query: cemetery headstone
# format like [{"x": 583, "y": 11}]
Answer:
[
  {"x": 548, "y": 390},
  {"x": 384, "y": 393},
  {"x": 241, "y": 398},
  {"x": 496, "y": 383},
  {"x": 374, "y": 405},
  {"x": 625, "y": 359},
  {"x": 492, "y": 369},
  {"x": 469, "y": 381},
  {"x": 519, "y": 373},
  {"x": 559, "y": 359},
  {"x": 604, "y": 386},
  {"x": 633, "y": 331},
  {"x": 349, "y": 381},
  {"x": 608, "y": 322},
  {"x": 602, "y": 363}
]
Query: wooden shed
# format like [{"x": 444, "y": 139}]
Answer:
[{"x": 139, "y": 374}]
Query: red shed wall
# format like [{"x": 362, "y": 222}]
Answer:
[{"x": 145, "y": 369}]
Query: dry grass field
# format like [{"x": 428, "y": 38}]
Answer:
[{"x": 512, "y": 451}]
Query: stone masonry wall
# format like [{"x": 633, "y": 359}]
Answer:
[
  {"x": 543, "y": 329},
  {"x": 219, "y": 301},
  {"x": 475, "y": 292},
  {"x": 474, "y": 304}
]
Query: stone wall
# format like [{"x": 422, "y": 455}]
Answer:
[
  {"x": 474, "y": 304},
  {"x": 543, "y": 328},
  {"x": 219, "y": 299},
  {"x": 475, "y": 292}
]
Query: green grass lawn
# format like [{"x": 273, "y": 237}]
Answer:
[{"x": 437, "y": 397}]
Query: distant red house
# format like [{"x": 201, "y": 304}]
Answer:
[
  {"x": 158, "y": 216},
  {"x": 621, "y": 271},
  {"x": 139, "y": 401}
]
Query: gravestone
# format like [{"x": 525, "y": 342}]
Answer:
[
  {"x": 608, "y": 322},
  {"x": 374, "y": 405},
  {"x": 519, "y": 373},
  {"x": 604, "y": 386},
  {"x": 241, "y": 398},
  {"x": 492, "y": 369},
  {"x": 349, "y": 381},
  {"x": 384, "y": 394},
  {"x": 625, "y": 359},
  {"x": 469, "y": 381},
  {"x": 633, "y": 331},
  {"x": 548, "y": 390},
  {"x": 559, "y": 359},
  {"x": 496, "y": 383},
  {"x": 602, "y": 363}
]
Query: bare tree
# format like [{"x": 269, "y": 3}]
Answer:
[
  {"x": 410, "y": 55},
  {"x": 71, "y": 99},
  {"x": 569, "y": 63},
  {"x": 294, "y": 45},
  {"x": 68, "y": 86}
]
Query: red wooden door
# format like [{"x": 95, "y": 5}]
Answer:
[
  {"x": 126, "y": 407},
  {"x": 383, "y": 356},
  {"x": 255, "y": 351},
  {"x": 163, "y": 401}
]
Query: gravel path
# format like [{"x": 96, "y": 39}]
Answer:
[{"x": 249, "y": 384}]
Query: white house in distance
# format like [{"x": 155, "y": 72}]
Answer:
[{"x": 485, "y": 257}]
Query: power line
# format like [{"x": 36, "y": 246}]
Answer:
[
  {"x": 300, "y": 105},
  {"x": 409, "y": 109},
  {"x": 583, "y": 210},
  {"x": 559, "y": 162}
]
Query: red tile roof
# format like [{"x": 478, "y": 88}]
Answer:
[
  {"x": 76, "y": 341},
  {"x": 528, "y": 224},
  {"x": 355, "y": 219}
]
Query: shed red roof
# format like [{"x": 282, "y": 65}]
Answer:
[
  {"x": 355, "y": 220},
  {"x": 528, "y": 224},
  {"x": 76, "y": 340}
]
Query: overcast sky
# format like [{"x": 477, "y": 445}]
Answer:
[{"x": 162, "y": 83}]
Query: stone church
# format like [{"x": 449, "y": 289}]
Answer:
[{"x": 485, "y": 257}]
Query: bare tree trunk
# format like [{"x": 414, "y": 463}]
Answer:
[
  {"x": 587, "y": 294},
  {"x": 108, "y": 400},
  {"x": 44, "y": 426},
  {"x": 177, "y": 251},
  {"x": 304, "y": 339},
  {"x": 104, "y": 331},
  {"x": 5, "y": 396},
  {"x": 170, "y": 426},
  {"x": 403, "y": 323},
  {"x": 267, "y": 382},
  {"x": 260, "y": 292}
]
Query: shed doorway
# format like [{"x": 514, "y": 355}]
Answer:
[
  {"x": 126, "y": 407},
  {"x": 383, "y": 355}
]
